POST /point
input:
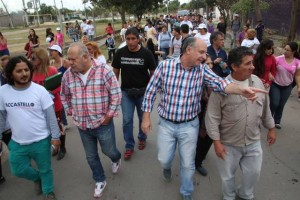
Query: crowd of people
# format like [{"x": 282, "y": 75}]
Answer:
[{"x": 207, "y": 96}]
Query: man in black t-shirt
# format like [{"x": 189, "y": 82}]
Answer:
[
  {"x": 137, "y": 66},
  {"x": 222, "y": 26}
]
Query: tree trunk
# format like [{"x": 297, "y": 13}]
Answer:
[
  {"x": 294, "y": 20},
  {"x": 122, "y": 14},
  {"x": 257, "y": 10}
]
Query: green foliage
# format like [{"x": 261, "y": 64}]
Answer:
[
  {"x": 44, "y": 9},
  {"x": 196, "y": 4},
  {"x": 246, "y": 6}
]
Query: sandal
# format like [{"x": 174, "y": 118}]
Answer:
[
  {"x": 142, "y": 145},
  {"x": 128, "y": 153}
]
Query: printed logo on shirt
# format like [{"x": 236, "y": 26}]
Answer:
[
  {"x": 19, "y": 104},
  {"x": 132, "y": 61}
]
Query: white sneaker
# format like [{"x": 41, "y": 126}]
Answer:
[
  {"x": 115, "y": 166},
  {"x": 99, "y": 188}
]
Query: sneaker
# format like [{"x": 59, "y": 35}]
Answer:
[
  {"x": 202, "y": 170},
  {"x": 99, "y": 187},
  {"x": 115, "y": 166},
  {"x": 142, "y": 144},
  {"x": 38, "y": 187},
  {"x": 50, "y": 196},
  {"x": 278, "y": 126},
  {"x": 128, "y": 153},
  {"x": 298, "y": 98},
  {"x": 2, "y": 180},
  {"x": 61, "y": 154},
  {"x": 167, "y": 175},
  {"x": 187, "y": 197}
]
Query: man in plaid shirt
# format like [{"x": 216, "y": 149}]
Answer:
[
  {"x": 91, "y": 95},
  {"x": 180, "y": 82}
]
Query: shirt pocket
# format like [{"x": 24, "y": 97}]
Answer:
[{"x": 232, "y": 113}]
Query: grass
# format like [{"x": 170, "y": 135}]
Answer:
[{"x": 17, "y": 38}]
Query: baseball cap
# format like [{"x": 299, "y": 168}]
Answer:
[
  {"x": 201, "y": 26},
  {"x": 56, "y": 48},
  {"x": 58, "y": 28}
]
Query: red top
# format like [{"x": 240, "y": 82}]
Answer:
[
  {"x": 109, "y": 29},
  {"x": 270, "y": 67},
  {"x": 40, "y": 79}
]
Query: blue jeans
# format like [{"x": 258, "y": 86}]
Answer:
[
  {"x": 249, "y": 159},
  {"x": 278, "y": 98},
  {"x": 166, "y": 50},
  {"x": 185, "y": 134},
  {"x": 105, "y": 134},
  {"x": 128, "y": 106},
  {"x": 20, "y": 157}
]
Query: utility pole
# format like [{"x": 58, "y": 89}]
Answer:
[
  {"x": 62, "y": 9},
  {"x": 25, "y": 13},
  {"x": 37, "y": 12},
  {"x": 58, "y": 17}
]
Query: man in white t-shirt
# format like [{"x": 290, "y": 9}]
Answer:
[
  {"x": 175, "y": 43},
  {"x": 28, "y": 108},
  {"x": 84, "y": 27},
  {"x": 189, "y": 23}
]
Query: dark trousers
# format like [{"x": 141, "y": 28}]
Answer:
[
  {"x": 278, "y": 98},
  {"x": 204, "y": 141},
  {"x": 6, "y": 136},
  {"x": 111, "y": 54}
]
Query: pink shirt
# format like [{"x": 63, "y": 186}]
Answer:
[
  {"x": 286, "y": 71},
  {"x": 59, "y": 39},
  {"x": 3, "y": 46}
]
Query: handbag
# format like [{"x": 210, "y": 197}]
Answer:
[
  {"x": 135, "y": 92},
  {"x": 27, "y": 46}
]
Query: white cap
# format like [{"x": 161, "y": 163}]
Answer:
[
  {"x": 235, "y": 15},
  {"x": 201, "y": 26},
  {"x": 58, "y": 29},
  {"x": 56, "y": 48},
  {"x": 195, "y": 31}
]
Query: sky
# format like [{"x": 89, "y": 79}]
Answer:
[{"x": 16, "y": 5}]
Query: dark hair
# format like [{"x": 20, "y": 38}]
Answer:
[
  {"x": 150, "y": 45},
  {"x": 294, "y": 47},
  {"x": 177, "y": 29},
  {"x": 132, "y": 31},
  {"x": 12, "y": 63},
  {"x": 236, "y": 55},
  {"x": 214, "y": 36},
  {"x": 259, "y": 58},
  {"x": 185, "y": 28},
  {"x": 188, "y": 42}
]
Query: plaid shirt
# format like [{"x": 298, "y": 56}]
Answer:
[
  {"x": 89, "y": 104},
  {"x": 180, "y": 89}
]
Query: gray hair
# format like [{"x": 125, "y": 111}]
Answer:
[
  {"x": 188, "y": 42},
  {"x": 214, "y": 36},
  {"x": 82, "y": 49}
]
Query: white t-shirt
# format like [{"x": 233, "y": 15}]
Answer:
[
  {"x": 90, "y": 29},
  {"x": 205, "y": 38},
  {"x": 176, "y": 44},
  {"x": 84, "y": 27},
  {"x": 101, "y": 59},
  {"x": 84, "y": 77},
  {"x": 250, "y": 44},
  {"x": 25, "y": 112},
  {"x": 123, "y": 31}
]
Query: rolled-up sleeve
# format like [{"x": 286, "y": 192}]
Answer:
[
  {"x": 153, "y": 85},
  {"x": 115, "y": 94},
  {"x": 213, "y": 116},
  {"x": 213, "y": 81}
]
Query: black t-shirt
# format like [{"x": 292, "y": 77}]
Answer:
[
  {"x": 222, "y": 27},
  {"x": 134, "y": 67}
]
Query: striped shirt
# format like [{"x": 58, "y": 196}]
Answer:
[
  {"x": 89, "y": 104},
  {"x": 180, "y": 89}
]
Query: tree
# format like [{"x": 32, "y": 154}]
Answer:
[
  {"x": 197, "y": 4},
  {"x": 295, "y": 14},
  {"x": 246, "y": 6},
  {"x": 138, "y": 8}
]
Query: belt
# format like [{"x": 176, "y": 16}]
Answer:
[{"x": 180, "y": 122}]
